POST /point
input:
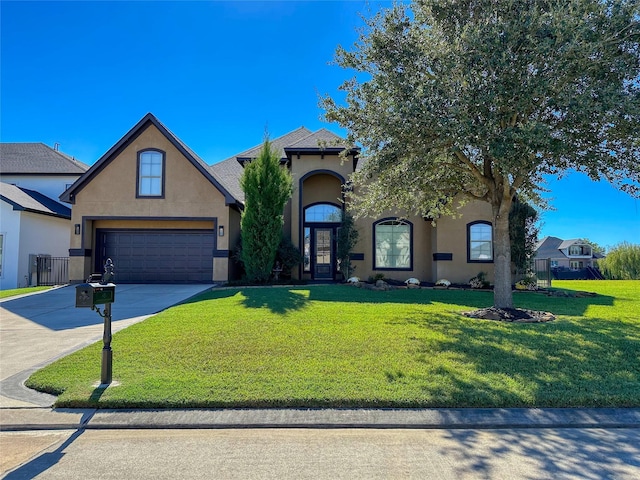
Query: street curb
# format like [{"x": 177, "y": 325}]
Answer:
[{"x": 485, "y": 419}]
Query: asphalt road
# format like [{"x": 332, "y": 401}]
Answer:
[{"x": 326, "y": 454}]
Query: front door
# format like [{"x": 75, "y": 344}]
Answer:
[{"x": 323, "y": 254}]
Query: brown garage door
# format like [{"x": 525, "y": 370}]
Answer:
[{"x": 157, "y": 256}]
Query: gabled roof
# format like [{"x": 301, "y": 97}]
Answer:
[
  {"x": 552, "y": 247},
  {"x": 298, "y": 141},
  {"x": 322, "y": 139},
  {"x": 146, "y": 121},
  {"x": 278, "y": 144},
  {"x": 23, "y": 199},
  {"x": 548, "y": 248},
  {"x": 37, "y": 158},
  {"x": 568, "y": 243}
]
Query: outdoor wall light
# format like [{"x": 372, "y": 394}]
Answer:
[
  {"x": 221, "y": 231},
  {"x": 77, "y": 228}
]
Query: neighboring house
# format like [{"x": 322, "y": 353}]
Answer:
[
  {"x": 32, "y": 176},
  {"x": 38, "y": 167},
  {"x": 568, "y": 258},
  {"x": 32, "y": 224},
  {"x": 163, "y": 215}
]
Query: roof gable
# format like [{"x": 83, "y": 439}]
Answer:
[
  {"x": 297, "y": 141},
  {"x": 37, "y": 158},
  {"x": 322, "y": 139},
  {"x": 278, "y": 144},
  {"x": 23, "y": 199},
  {"x": 148, "y": 120},
  {"x": 568, "y": 243}
]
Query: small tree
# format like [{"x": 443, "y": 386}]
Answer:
[
  {"x": 523, "y": 233},
  {"x": 288, "y": 255},
  {"x": 267, "y": 188},
  {"x": 622, "y": 262},
  {"x": 347, "y": 240}
]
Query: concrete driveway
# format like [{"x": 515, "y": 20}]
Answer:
[{"x": 39, "y": 328}]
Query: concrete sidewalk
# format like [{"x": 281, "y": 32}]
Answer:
[{"x": 22, "y": 419}]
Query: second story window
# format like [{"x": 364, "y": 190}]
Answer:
[{"x": 150, "y": 173}]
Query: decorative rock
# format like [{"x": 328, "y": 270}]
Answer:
[
  {"x": 443, "y": 282},
  {"x": 353, "y": 280},
  {"x": 412, "y": 281}
]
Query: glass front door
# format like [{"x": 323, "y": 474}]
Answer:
[{"x": 323, "y": 253}]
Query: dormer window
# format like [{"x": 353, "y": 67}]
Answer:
[
  {"x": 151, "y": 174},
  {"x": 579, "y": 250}
]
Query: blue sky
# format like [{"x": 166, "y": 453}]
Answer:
[{"x": 216, "y": 73}]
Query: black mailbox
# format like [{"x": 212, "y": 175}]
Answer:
[{"x": 92, "y": 294}]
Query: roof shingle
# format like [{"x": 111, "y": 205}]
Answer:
[
  {"x": 32, "y": 201},
  {"x": 37, "y": 158}
]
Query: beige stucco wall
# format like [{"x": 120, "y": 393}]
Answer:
[
  {"x": 319, "y": 187},
  {"x": 112, "y": 193},
  {"x": 446, "y": 235},
  {"x": 421, "y": 249},
  {"x": 451, "y": 237}
]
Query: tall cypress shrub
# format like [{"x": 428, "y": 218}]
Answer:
[{"x": 267, "y": 187}]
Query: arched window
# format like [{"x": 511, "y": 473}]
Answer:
[
  {"x": 323, "y": 213},
  {"x": 150, "y": 173},
  {"x": 479, "y": 242},
  {"x": 393, "y": 244}
]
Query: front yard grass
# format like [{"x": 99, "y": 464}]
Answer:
[
  {"x": 21, "y": 291},
  {"x": 339, "y": 346}
]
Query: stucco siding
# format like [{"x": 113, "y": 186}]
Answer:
[
  {"x": 10, "y": 230},
  {"x": 190, "y": 201},
  {"x": 451, "y": 238},
  {"x": 50, "y": 185},
  {"x": 421, "y": 249}
]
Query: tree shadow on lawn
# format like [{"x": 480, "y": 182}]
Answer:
[
  {"x": 277, "y": 299},
  {"x": 286, "y": 299},
  {"x": 592, "y": 362},
  {"x": 573, "y": 306}
]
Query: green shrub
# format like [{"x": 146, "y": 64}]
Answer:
[
  {"x": 267, "y": 188},
  {"x": 622, "y": 262}
]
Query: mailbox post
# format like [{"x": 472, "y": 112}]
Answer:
[{"x": 91, "y": 295}]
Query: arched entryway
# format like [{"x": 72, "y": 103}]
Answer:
[{"x": 321, "y": 214}]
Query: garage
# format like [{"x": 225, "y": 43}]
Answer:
[{"x": 157, "y": 256}]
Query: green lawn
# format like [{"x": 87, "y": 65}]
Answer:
[
  {"x": 339, "y": 346},
  {"x": 21, "y": 291}
]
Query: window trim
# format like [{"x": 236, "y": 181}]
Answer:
[
  {"x": 469, "y": 225},
  {"x": 315, "y": 204},
  {"x": 374, "y": 256},
  {"x": 162, "y": 181}
]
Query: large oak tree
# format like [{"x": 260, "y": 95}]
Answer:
[{"x": 478, "y": 99}]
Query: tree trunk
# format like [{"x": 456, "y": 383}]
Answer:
[{"x": 502, "y": 294}]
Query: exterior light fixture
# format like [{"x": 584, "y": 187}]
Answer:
[
  {"x": 77, "y": 228},
  {"x": 221, "y": 231}
]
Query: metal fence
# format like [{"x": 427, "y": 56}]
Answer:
[
  {"x": 48, "y": 270},
  {"x": 542, "y": 271}
]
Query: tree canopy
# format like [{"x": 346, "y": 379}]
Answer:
[{"x": 478, "y": 99}]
